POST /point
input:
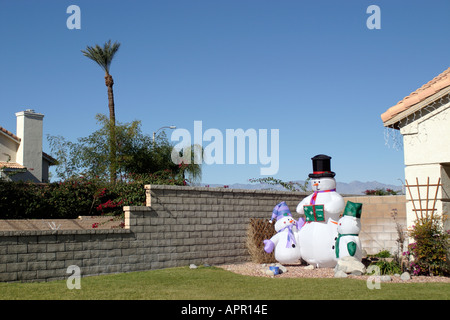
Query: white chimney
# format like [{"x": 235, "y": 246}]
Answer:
[{"x": 30, "y": 131}]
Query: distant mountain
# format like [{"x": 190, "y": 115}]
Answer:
[
  {"x": 351, "y": 188},
  {"x": 358, "y": 187}
]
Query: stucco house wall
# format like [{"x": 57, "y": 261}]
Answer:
[
  {"x": 423, "y": 119},
  {"x": 21, "y": 155}
]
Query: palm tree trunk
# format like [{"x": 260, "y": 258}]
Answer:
[{"x": 109, "y": 82}]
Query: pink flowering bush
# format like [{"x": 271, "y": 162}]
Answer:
[
  {"x": 78, "y": 196},
  {"x": 428, "y": 255},
  {"x": 381, "y": 192}
]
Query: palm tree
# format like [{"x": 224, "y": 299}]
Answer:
[
  {"x": 193, "y": 155},
  {"x": 103, "y": 57}
]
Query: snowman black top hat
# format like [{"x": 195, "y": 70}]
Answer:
[{"x": 321, "y": 167}]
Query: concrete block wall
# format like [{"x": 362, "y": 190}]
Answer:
[
  {"x": 378, "y": 226},
  {"x": 182, "y": 225},
  {"x": 35, "y": 255},
  {"x": 179, "y": 226},
  {"x": 205, "y": 225}
]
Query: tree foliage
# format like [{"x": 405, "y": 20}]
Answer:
[
  {"x": 103, "y": 57},
  {"x": 78, "y": 196},
  {"x": 136, "y": 154},
  {"x": 291, "y": 185}
]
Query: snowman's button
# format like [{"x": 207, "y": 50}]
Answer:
[{"x": 293, "y": 245}]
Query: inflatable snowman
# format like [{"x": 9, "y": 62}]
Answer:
[
  {"x": 349, "y": 226},
  {"x": 285, "y": 241},
  {"x": 321, "y": 210}
]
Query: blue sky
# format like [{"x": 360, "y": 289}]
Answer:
[{"x": 311, "y": 69}]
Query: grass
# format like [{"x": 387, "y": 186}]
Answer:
[{"x": 210, "y": 283}]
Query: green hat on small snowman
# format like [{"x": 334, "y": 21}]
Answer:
[{"x": 353, "y": 209}]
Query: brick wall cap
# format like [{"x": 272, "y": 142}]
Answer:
[
  {"x": 21, "y": 233},
  {"x": 221, "y": 189}
]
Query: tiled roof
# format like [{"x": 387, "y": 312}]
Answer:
[
  {"x": 9, "y": 133},
  {"x": 11, "y": 165},
  {"x": 437, "y": 84}
]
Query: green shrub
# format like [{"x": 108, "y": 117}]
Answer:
[
  {"x": 78, "y": 196},
  {"x": 71, "y": 198},
  {"x": 388, "y": 267},
  {"x": 383, "y": 254},
  {"x": 428, "y": 254},
  {"x": 19, "y": 199}
]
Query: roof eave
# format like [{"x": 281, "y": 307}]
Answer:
[
  {"x": 394, "y": 121},
  {"x": 52, "y": 161},
  {"x": 10, "y": 136}
]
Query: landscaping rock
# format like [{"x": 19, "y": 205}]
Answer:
[
  {"x": 309, "y": 267},
  {"x": 340, "y": 274},
  {"x": 405, "y": 276},
  {"x": 385, "y": 278},
  {"x": 350, "y": 265},
  {"x": 269, "y": 272},
  {"x": 364, "y": 253}
]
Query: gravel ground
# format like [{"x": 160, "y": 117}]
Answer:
[{"x": 300, "y": 271}]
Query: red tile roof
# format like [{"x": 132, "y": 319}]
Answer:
[
  {"x": 11, "y": 165},
  {"x": 9, "y": 133},
  {"x": 437, "y": 84}
]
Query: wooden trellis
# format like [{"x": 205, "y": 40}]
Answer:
[{"x": 424, "y": 211}]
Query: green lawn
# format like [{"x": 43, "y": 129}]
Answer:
[{"x": 216, "y": 284}]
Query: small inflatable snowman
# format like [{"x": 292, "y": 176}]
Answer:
[
  {"x": 349, "y": 226},
  {"x": 285, "y": 241},
  {"x": 321, "y": 210}
]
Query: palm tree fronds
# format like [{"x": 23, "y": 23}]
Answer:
[{"x": 102, "y": 56}]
